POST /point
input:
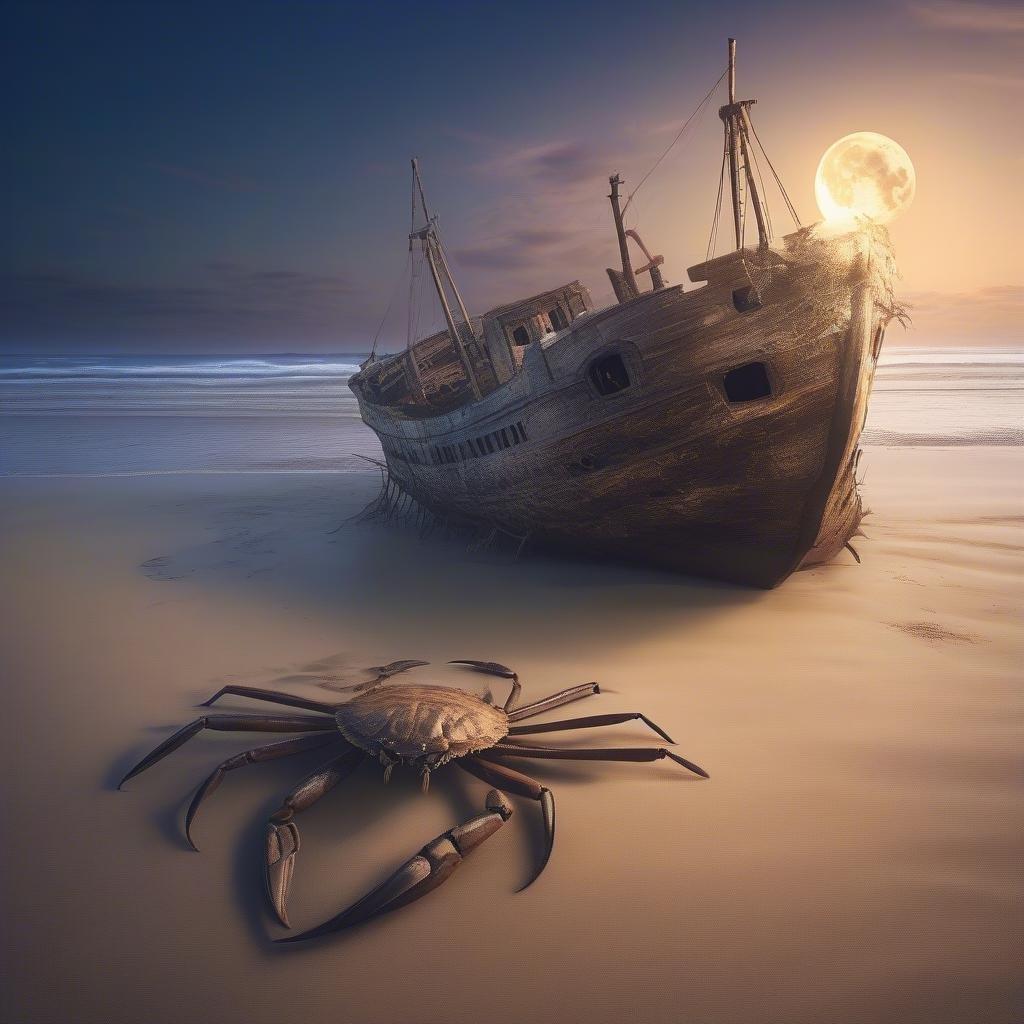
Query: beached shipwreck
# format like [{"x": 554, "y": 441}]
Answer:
[{"x": 712, "y": 431}]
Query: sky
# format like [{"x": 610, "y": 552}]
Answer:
[{"x": 234, "y": 178}]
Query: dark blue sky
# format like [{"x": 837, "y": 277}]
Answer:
[{"x": 232, "y": 177}]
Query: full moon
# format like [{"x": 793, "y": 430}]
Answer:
[{"x": 865, "y": 175}]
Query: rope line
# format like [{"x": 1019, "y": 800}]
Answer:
[
  {"x": 679, "y": 135},
  {"x": 713, "y": 239},
  {"x": 775, "y": 174},
  {"x": 391, "y": 302}
]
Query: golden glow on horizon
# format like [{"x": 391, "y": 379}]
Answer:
[{"x": 864, "y": 175}]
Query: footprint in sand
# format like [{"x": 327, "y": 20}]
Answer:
[{"x": 933, "y": 632}]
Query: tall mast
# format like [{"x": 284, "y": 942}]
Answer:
[
  {"x": 624, "y": 283},
  {"x": 736, "y": 118},
  {"x": 461, "y": 333},
  {"x": 734, "y": 155}
]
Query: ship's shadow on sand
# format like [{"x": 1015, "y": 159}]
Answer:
[{"x": 303, "y": 549}]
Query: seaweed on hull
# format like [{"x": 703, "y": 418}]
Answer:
[{"x": 713, "y": 431}]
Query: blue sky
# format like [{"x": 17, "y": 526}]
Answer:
[{"x": 234, "y": 177}]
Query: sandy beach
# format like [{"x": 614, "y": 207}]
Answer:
[{"x": 855, "y": 856}]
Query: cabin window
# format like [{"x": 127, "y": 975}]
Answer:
[
  {"x": 522, "y": 432},
  {"x": 609, "y": 374},
  {"x": 746, "y": 299},
  {"x": 505, "y": 442},
  {"x": 747, "y": 383},
  {"x": 557, "y": 318},
  {"x": 521, "y": 336}
]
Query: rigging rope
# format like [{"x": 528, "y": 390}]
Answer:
[
  {"x": 778, "y": 180},
  {"x": 679, "y": 135},
  {"x": 391, "y": 302},
  {"x": 766, "y": 213},
  {"x": 718, "y": 202}
]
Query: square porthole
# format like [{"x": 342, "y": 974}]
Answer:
[
  {"x": 609, "y": 374},
  {"x": 746, "y": 299},
  {"x": 747, "y": 383}
]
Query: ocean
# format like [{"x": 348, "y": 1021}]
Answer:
[{"x": 130, "y": 415}]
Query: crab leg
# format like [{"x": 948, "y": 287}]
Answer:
[
  {"x": 495, "y": 669},
  {"x": 598, "y": 754},
  {"x": 589, "y": 722},
  {"x": 554, "y": 701},
  {"x": 226, "y": 723},
  {"x": 283, "y": 833},
  {"x": 505, "y": 777},
  {"x": 270, "y": 752},
  {"x": 275, "y": 696},
  {"x": 422, "y": 873}
]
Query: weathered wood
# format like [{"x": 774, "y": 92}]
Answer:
[
  {"x": 713, "y": 431},
  {"x": 668, "y": 471}
]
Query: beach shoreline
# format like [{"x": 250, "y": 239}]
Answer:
[{"x": 855, "y": 855}]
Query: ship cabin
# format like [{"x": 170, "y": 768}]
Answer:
[{"x": 430, "y": 377}]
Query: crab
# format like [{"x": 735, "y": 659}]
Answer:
[{"x": 423, "y": 727}]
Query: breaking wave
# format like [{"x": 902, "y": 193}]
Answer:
[{"x": 91, "y": 415}]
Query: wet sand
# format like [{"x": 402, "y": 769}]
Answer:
[{"x": 855, "y": 856}]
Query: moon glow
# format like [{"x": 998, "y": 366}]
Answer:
[{"x": 864, "y": 174}]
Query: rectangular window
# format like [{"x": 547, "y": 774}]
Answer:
[
  {"x": 557, "y": 318},
  {"x": 522, "y": 431},
  {"x": 505, "y": 442}
]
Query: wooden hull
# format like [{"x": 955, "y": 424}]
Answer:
[{"x": 672, "y": 471}]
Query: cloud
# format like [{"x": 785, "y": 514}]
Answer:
[
  {"x": 513, "y": 250},
  {"x": 551, "y": 163},
  {"x": 546, "y": 224},
  {"x": 956, "y": 15},
  {"x": 991, "y": 314},
  {"x": 232, "y": 305}
]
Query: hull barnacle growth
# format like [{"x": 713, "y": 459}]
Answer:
[{"x": 422, "y": 727}]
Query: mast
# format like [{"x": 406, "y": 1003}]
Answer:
[
  {"x": 461, "y": 332},
  {"x": 735, "y": 116},
  {"x": 624, "y": 282},
  {"x": 730, "y": 135},
  {"x": 410, "y": 355}
]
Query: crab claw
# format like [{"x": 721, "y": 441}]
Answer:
[
  {"x": 422, "y": 873},
  {"x": 282, "y": 847},
  {"x": 282, "y": 844}
]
